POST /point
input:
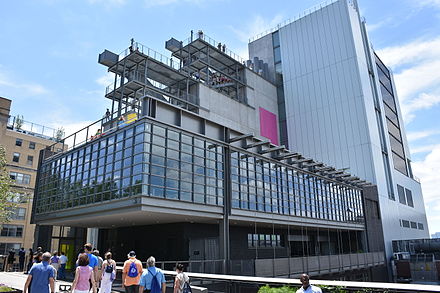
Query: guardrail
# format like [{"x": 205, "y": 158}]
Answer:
[
  {"x": 233, "y": 283},
  {"x": 18, "y": 124},
  {"x": 293, "y": 19},
  {"x": 90, "y": 132},
  {"x": 170, "y": 61},
  {"x": 212, "y": 42}
]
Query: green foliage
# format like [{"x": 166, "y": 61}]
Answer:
[
  {"x": 60, "y": 134},
  {"x": 19, "y": 121},
  {"x": 284, "y": 289},
  {"x": 6, "y": 204}
]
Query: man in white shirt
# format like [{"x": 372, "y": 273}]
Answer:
[
  {"x": 63, "y": 261},
  {"x": 306, "y": 287}
]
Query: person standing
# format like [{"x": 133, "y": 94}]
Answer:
[
  {"x": 63, "y": 262},
  {"x": 55, "y": 262},
  {"x": 30, "y": 260},
  {"x": 21, "y": 257},
  {"x": 153, "y": 279},
  {"x": 41, "y": 277},
  {"x": 11, "y": 260},
  {"x": 181, "y": 281},
  {"x": 306, "y": 287},
  {"x": 93, "y": 260},
  {"x": 108, "y": 273},
  {"x": 131, "y": 273},
  {"x": 84, "y": 275}
]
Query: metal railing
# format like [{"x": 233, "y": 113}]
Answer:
[
  {"x": 18, "y": 124},
  {"x": 90, "y": 132},
  {"x": 212, "y": 42},
  {"x": 169, "y": 61},
  {"x": 293, "y": 19},
  {"x": 160, "y": 91}
]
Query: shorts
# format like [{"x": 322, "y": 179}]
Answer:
[{"x": 10, "y": 261}]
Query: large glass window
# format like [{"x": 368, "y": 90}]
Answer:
[
  {"x": 12, "y": 230},
  {"x": 409, "y": 198},
  {"x": 401, "y": 192},
  {"x": 6, "y": 247}
]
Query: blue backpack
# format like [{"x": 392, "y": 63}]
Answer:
[
  {"x": 186, "y": 288},
  {"x": 133, "y": 270},
  {"x": 155, "y": 285}
]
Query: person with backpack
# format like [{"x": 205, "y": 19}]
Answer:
[
  {"x": 153, "y": 279},
  {"x": 131, "y": 273},
  {"x": 181, "y": 282},
  {"x": 108, "y": 273}
]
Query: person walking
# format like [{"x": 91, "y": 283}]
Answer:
[
  {"x": 306, "y": 287},
  {"x": 108, "y": 274},
  {"x": 63, "y": 262},
  {"x": 181, "y": 282},
  {"x": 41, "y": 277},
  {"x": 30, "y": 260},
  {"x": 100, "y": 261},
  {"x": 84, "y": 275},
  {"x": 93, "y": 260},
  {"x": 55, "y": 262},
  {"x": 11, "y": 260},
  {"x": 153, "y": 279},
  {"x": 131, "y": 273},
  {"x": 21, "y": 257}
]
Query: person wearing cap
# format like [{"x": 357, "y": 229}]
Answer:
[
  {"x": 131, "y": 284},
  {"x": 306, "y": 287}
]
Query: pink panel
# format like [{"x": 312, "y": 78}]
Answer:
[{"x": 268, "y": 125}]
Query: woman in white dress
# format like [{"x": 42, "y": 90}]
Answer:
[{"x": 108, "y": 274}]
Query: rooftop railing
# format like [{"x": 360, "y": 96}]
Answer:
[
  {"x": 293, "y": 19},
  {"x": 161, "y": 91},
  {"x": 18, "y": 124},
  {"x": 91, "y": 132},
  {"x": 212, "y": 42},
  {"x": 169, "y": 61}
]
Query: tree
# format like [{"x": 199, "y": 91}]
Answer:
[
  {"x": 19, "y": 121},
  {"x": 6, "y": 203},
  {"x": 59, "y": 134}
]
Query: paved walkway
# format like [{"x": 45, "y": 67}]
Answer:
[{"x": 17, "y": 280}]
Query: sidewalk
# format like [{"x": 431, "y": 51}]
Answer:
[{"x": 16, "y": 280}]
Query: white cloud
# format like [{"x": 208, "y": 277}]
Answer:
[
  {"x": 30, "y": 88},
  {"x": 106, "y": 79},
  {"x": 377, "y": 25},
  {"x": 415, "y": 65},
  {"x": 417, "y": 135},
  {"x": 151, "y": 3},
  {"x": 429, "y": 3},
  {"x": 428, "y": 171},
  {"x": 109, "y": 3},
  {"x": 256, "y": 26}
]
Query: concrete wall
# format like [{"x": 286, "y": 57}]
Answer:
[
  {"x": 230, "y": 113},
  {"x": 263, "y": 49}
]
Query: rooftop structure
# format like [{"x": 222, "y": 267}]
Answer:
[{"x": 191, "y": 153}]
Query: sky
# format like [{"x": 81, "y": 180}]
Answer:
[{"x": 49, "y": 51}]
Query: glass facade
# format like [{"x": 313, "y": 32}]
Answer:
[
  {"x": 140, "y": 159},
  {"x": 394, "y": 132},
  {"x": 161, "y": 161},
  {"x": 261, "y": 185}
]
